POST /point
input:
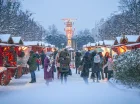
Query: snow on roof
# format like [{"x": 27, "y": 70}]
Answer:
[
  {"x": 16, "y": 39},
  {"x": 27, "y": 43},
  {"x": 118, "y": 39},
  {"x": 41, "y": 43},
  {"x": 100, "y": 42},
  {"x": 131, "y": 38},
  {"x": 5, "y": 37},
  {"x": 97, "y": 43},
  {"x": 52, "y": 45},
  {"x": 109, "y": 42},
  {"x": 3, "y": 44},
  {"x": 84, "y": 46},
  {"x": 93, "y": 44},
  {"x": 89, "y": 44},
  {"x": 46, "y": 44}
]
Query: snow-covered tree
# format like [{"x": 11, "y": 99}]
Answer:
[
  {"x": 127, "y": 68},
  {"x": 17, "y": 22},
  {"x": 83, "y": 37},
  {"x": 126, "y": 22},
  {"x": 53, "y": 36}
]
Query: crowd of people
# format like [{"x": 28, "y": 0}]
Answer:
[
  {"x": 50, "y": 61},
  {"x": 101, "y": 66}
]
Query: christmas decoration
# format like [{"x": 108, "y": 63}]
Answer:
[
  {"x": 9, "y": 56},
  {"x": 127, "y": 68}
]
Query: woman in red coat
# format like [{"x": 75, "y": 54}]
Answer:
[{"x": 48, "y": 70}]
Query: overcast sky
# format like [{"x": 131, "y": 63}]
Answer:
[{"x": 87, "y": 12}]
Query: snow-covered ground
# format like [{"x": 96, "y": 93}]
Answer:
[{"x": 20, "y": 91}]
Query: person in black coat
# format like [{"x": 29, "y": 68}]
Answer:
[
  {"x": 77, "y": 60},
  {"x": 105, "y": 60},
  {"x": 86, "y": 64},
  {"x": 38, "y": 60},
  {"x": 42, "y": 58},
  {"x": 92, "y": 63}
]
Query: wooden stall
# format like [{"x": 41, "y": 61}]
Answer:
[
  {"x": 89, "y": 46},
  {"x": 7, "y": 58},
  {"x": 10, "y": 52},
  {"x": 126, "y": 43},
  {"x": 22, "y": 57},
  {"x": 36, "y": 46}
]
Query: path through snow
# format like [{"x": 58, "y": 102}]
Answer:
[{"x": 19, "y": 91}]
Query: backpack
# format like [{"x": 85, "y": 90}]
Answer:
[{"x": 96, "y": 58}]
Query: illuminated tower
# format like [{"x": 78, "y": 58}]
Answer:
[{"x": 69, "y": 29}]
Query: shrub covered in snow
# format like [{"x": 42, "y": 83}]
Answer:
[{"x": 127, "y": 68}]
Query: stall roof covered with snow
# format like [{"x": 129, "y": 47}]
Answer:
[
  {"x": 6, "y": 38},
  {"x": 108, "y": 42},
  {"x": 34, "y": 43},
  {"x": 128, "y": 38},
  {"x": 30, "y": 43},
  {"x": 100, "y": 43},
  {"x": 17, "y": 40}
]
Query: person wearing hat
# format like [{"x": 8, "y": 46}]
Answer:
[{"x": 32, "y": 66}]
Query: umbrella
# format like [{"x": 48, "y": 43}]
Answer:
[{"x": 99, "y": 50}]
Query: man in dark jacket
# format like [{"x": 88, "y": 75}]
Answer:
[
  {"x": 64, "y": 60},
  {"x": 42, "y": 58},
  {"x": 77, "y": 60},
  {"x": 54, "y": 53},
  {"x": 32, "y": 66}
]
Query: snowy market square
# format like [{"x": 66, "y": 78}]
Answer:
[{"x": 70, "y": 52}]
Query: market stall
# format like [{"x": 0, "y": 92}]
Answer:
[
  {"x": 36, "y": 46},
  {"x": 22, "y": 57},
  {"x": 89, "y": 46},
  {"x": 126, "y": 43}
]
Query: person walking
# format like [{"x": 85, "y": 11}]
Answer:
[
  {"x": 32, "y": 66},
  {"x": 104, "y": 63},
  {"x": 86, "y": 64},
  {"x": 77, "y": 60},
  {"x": 42, "y": 58},
  {"x": 96, "y": 67},
  {"x": 38, "y": 60},
  {"x": 48, "y": 70},
  {"x": 110, "y": 67},
  {"x": 92, "y": 63},
  {"x": 64, "y": 59},
  {"x": 101, "y": 65},
  {"x": 57, "y": 62},
  {"x": 55, "y": 53}
]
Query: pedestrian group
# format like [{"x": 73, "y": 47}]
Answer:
[{"x": 101, "y": 67}]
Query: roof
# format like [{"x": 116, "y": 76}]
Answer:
[
  {"x": 100, "y": 43},
  {"x": 131, "y": 38},
  {"x": 28, "y": 43},
  {"x": 97, "y": 43},
  {"x": 93, "y": 44},
  {"x": 84, "y": 46},
  {"x": 17, "y": 40},
  {"x": 5, "y": 37},
  {"x": 109, "y": 42}
]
